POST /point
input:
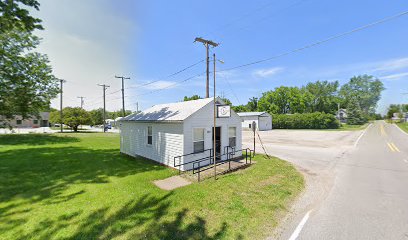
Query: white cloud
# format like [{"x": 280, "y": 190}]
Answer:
[
  {"x": 268, "y": 72},
  {"x": 86, "y": 42},
  {"x": 396, "y": 76},
  {"x": 392, "y": 65}
]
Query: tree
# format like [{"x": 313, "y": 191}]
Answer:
[
  {"x": 355, "y": 115},
  {"x": 393, "y": 108},
  {"x": 252, "y": 104},
  {"x": 55, "y": 117},
  {"x": 323, "y": 96},
  {"x": 284, "y": 100},
  {"x": 96, "y": 116},
  {"x": 239, "y": 108},
  {"x": 118, "y": 113},
  {"x": 14, "y": 17},
  {"x": 73, "y": 117},
  {"x": 26, "y": 81},
  {"x": 226, "y": 101},
  {"x": 364, "y": 89},
  {"x": 194, "y": 97}
]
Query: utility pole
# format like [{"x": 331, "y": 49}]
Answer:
[
  {"x": 214, "y": 130},
  {"x": 123, "y": 94},
  {"x": 82, "y": 101},
  {"x": 207, "y": 44},
  {"x": 104, "y": 87},
  {"x": 137, "y": 107},
  {"x": 62, "y": 81}
]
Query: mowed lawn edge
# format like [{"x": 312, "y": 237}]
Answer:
[
  {"x": 78, "y": 186},
  {"x": 403, "y": 126}
]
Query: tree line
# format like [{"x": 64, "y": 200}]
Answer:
[
  {"x": 76, "y": 116},
  {"x": 359, "y": 96}
]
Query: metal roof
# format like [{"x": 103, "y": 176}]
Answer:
[
  {"x": 169, "y": 111},
  {"x": 248, "y": 114}
]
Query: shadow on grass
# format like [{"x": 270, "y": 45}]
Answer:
[
  {"x": 148, "y": 217},
  {"x": 44, "y": 173},
  {"x": 35, "y": 139}
]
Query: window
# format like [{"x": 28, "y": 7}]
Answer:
[
  {"x": 18, "y": 122},
  {"x": 35, "y": 121},
  {"x": 198, "y": 139},
  {"x": 232, "y": 133},
  {"x": 149, "y": 135}
]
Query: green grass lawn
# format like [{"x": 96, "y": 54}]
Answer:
[
  {"x": 403, "y": 126},
  {"x": 347, "y": 127},
  {"x": 78, "y": 186}
]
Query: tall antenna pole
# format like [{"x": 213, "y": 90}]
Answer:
[
  {"x": 207, "y": 44},
  {"x": 104, "y": 87},
  {"x": 62, "y": 81},
  {"x": 82, "y": 101},
  {"x": 123, "y": 94}
]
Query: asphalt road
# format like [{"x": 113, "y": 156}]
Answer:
[{"x": 369, "y": 195}]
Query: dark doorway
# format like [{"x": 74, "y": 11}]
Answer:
[{"x": 217, "y": 142}]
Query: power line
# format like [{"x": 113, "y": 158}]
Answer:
[
  {"x": 277, "y": 12},
  {"x": 161, "y": 79},
  {"x": 320, "y": 42},
  {"x": 279, "y": 55}
]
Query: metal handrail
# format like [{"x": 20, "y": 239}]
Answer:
[
  {"x": 220, "y": 162},
  {"x": 182, "y": 164}
]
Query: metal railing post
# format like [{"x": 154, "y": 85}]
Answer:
[{"x": 199, "y": 171}]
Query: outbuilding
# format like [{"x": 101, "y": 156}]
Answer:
[
  {"x": 263, "y": 120},
  {"x": 183, "y": 129}
]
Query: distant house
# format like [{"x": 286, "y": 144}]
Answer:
[
  {"x": 400, "y": 117},
  {"x": 165, "y": 131},
  {"x": 341, "y": 115},
  {"x": 263, "y": 120},
  {"x": 34, "y": 122}
]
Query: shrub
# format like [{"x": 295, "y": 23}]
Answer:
[{"x": 316, "y": 120}]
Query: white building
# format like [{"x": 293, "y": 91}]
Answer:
[
  {"x": 165, "y": 131},
  {"x": 341, "y": 115},
  {"x": 263, "y": 120},
  {"x": 33, "y": 122}
]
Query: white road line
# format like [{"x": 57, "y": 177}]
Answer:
[
  {"x": 362, "y": 134},
  {"x": 298, "y": 229}
]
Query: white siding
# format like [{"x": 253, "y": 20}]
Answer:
[
  {"x": 204, "y": 119},
  {"x": 264, "y": 123},
  {"x": 167, "y": 141}
]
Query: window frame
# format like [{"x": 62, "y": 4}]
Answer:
[
  {"x": 199, "y": 141},
  {"x": 149, "y": 137},
  {"x": 234, "y": 136}
]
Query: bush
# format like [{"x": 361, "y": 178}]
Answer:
[{"x": 316, "y": 120}]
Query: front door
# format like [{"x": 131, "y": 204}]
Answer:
[{"x": 217, "y": 142}]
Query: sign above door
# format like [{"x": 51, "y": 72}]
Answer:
[{"x": 223, "y": 111}]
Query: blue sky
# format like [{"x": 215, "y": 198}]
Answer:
[{"x": 90, "y": 41}]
